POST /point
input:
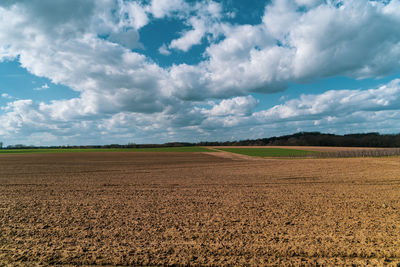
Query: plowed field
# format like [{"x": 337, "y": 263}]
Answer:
[{"x": 198, "y": 208}]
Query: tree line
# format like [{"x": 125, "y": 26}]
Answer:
[
  {"x": 298, "y": 139},
  {"x": 318, "y": 139}
]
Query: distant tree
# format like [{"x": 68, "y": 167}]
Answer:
[
  {"x": 19, "y": 146},
  {"x": 318, "y": 139},
  {"x": 1, "y": 145}
]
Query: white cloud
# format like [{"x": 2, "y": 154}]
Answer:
[
  {"x": 341, "y": 111},
  {"x": 296, "y": 45},
  {"x": 163, "y": 8},
  {"x": 163, "y": 50},
  {"x": 238, "y": 106},
  {"x": 335, "y": 104},
  {"x": 280, "y": 17},
  {"x": 205, "y": 22},
  {"x": 366, "y": 40},
  {"x": 41, "y": 88},
  {"x": 128, "y": 39},
  {"x": 190, "y": 38},
  {"x": 308, "y": 3},
  {"x": 109, "y": 77},
  {"x": 21, "y": 115},
  {"x": 137, "y": 17},
  {"x": 6, "y": 96}
]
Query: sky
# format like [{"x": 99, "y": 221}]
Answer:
[{"x": 85, "y": 72}]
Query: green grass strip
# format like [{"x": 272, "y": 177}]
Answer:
[
  {"x": 270, "y": 152},
  {"x": 70, "y": 150}
]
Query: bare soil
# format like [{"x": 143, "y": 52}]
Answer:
[{"x": 197, "y": 208}]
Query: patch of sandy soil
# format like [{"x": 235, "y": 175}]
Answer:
[
  {"x": 195, "y": 208},
  {"x": 229, "y": 155}
]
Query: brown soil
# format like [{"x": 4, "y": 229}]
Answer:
[{"x": 196, "y": 208}]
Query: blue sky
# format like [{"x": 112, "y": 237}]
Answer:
[{"x": 114, "y": 71}]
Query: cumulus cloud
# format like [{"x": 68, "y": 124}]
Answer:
[
  {"x": 296, "y": 45},
  {"x": 22, "y": 116},
  {"x": 162, "y": 8},
  {"x": 325, "y": 51},
  {"x": 134, "y": 14},
  {"x": 335, "y": 104},
  {"x": 41, "y": 88},
  {"x": 6, "y": 96},
  {"x": 109, "y": 77},
  {"x": 203, "y": 19},
  {"x": 163, "y": 50},
  {"x": 190, "y": 38},
  {"x": 334, "y": 111},
  {"x": 128, "y": 39},
  {"x": 239, "y": 106}
]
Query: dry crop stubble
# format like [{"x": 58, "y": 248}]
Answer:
[{"x": 181, "y": 208}]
